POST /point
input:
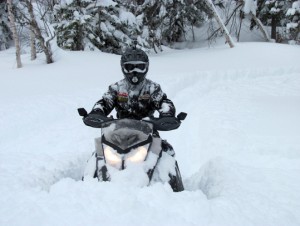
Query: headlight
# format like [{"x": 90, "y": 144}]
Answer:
[
  {"x": 137, "y": 155},
  {"x": 112, "y": 157}
]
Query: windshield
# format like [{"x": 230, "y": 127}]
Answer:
[{"x": 125, "y": 133}]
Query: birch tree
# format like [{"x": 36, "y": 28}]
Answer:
[
  {"x": 261, "y": 26},
  {"x": 235, "y": 15},
  {"x": 42, "y": 34},
  {"x": 250, "y": 8},
  {"x": 14, "y": 31},
  {"x": 38, "y": 33},
  {"x": 228, "y": 37},
  {"x": 32, "y": 44}
]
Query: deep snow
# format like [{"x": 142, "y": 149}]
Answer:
[{"x": 238, "y": 150}]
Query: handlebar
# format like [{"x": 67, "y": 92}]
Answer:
[{"x": 161, "y": 124}]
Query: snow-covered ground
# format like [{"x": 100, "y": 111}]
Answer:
[{"x": 238, "y": 149}]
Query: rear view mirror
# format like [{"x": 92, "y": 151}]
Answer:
[
  {"x": 82, "y": 112},
  {"x": 181, "y": 116}
]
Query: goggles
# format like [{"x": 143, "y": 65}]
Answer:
[{"x": 137, "y": 66}]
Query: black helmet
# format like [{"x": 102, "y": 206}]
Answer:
[{"x": 135, "y": 64}]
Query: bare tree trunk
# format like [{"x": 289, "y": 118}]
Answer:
[
  {"x": 261, "y": 27},
  {"x": 15, "y": 34},
  {"x": 273, "y": 27},
  {"x": 193, "y": 32},
  {"x": 240, "y": 27},
  {"x": 37, "y": 31},
  {"x": 220, "y": 22},
  {"x": 32, "y": 44}
]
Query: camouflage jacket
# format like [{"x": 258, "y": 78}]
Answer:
[{"x": 135, "y": 102}]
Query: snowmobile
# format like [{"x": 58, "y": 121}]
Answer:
[{"x": 127, "y": 142}]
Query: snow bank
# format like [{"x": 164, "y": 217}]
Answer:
[{"x": 238, "y": 149}]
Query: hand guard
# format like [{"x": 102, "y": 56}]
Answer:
[
  {"x": 166, "y": 123},
  {"x": 95, "y": 119}
]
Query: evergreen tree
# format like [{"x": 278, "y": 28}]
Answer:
[
  {"x": 196, "y": 13},
  {"x": 72, "y": 22},
  {"x": 110, "y": 26},
  {"x": 5, "y": 33},
  {"x": 150, "y": 13},
  {"x": 272, "y": 12},
  {"x": 173, "y": 23},
  {"x": 115, "y": 27},
  {"x": 107, "y": 26},
  {"x": 168, "y": 21},
  {"x": 293, "y": 24}
]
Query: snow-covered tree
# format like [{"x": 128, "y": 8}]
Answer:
[
  {"x": 196, "y": 14},
  {"x": 293, "y": 24},
  {"x": 173, "y": 23},
  {"x": 249, "y": 10},
  {"x": 72, "y": 22},
  {"x": 10, "y": 6},
  {"x": 115, "y": 27},
  {"x": 149, "y": 15},
  {"x": 169, "y": 21},
  {"x": 221, "y": 24},
  {"x": 33, "y": 15},
  {"x": 104, "y": 25},
  {"x": 272, "y": 13},
  {"x": 5, "y": 33}
]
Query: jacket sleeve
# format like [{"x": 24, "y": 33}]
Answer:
[
  {"x": 162, "y": 104},
  {"x": 107, "y": 103}
]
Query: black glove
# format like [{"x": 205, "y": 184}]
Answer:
[
  {"x": 96, "y": 118},
  {"x": 166, "y": 123}
]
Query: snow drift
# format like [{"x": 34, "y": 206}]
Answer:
[{"x": 238, "y": 149}]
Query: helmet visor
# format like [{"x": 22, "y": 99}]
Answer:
[{"x": 137, "y": 66}]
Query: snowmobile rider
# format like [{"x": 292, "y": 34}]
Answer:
[{"x": 135, "y": 96}]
